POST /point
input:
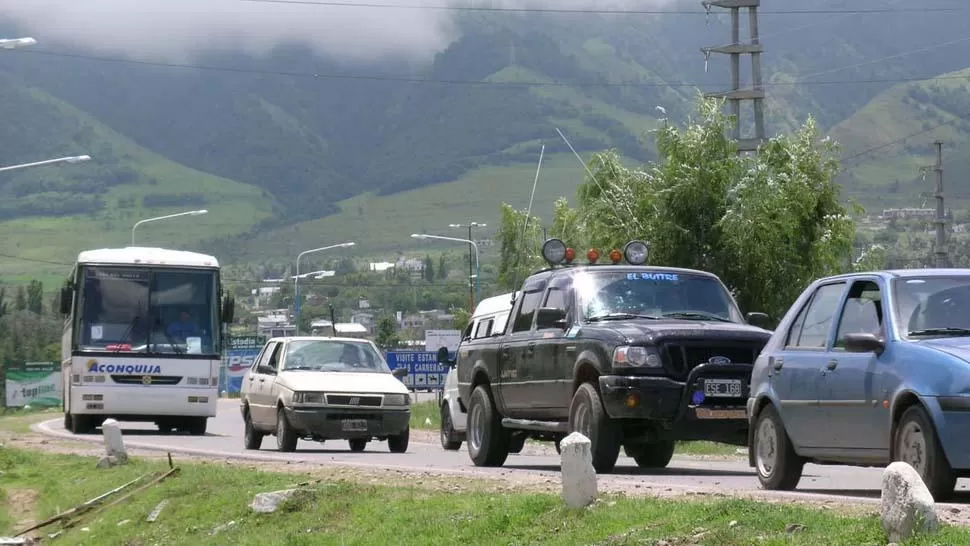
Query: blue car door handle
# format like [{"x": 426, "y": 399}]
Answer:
[
  {"x": 779, "y": 362},
  {"x": 832, "y": 364}
]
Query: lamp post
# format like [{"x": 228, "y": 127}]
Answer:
[
  {"x": 469, "y": 225},
  {"x": 72, "y": 159},
  {"x": 296, "y": 281},
  {"x": 166, "y": 217},
  {"x": 477, "y": 264},
  {"x": 14, "y": 43}
]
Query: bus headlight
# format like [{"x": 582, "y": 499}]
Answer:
[
  {"x": 397, "y": 399},
  {"x": 308, "y": 398}
]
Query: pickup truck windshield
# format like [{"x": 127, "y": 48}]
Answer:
[
  {"x": 932, "y": 306},
  {"x": 653, "y": 294}
]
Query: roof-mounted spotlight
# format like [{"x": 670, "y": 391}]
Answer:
[
  {"x": 635, "y": 252},
  {"x": 554, "y": 251}
]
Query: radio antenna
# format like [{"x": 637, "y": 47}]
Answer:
[{"x": 525, "y": 223}]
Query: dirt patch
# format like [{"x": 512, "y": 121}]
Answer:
[{"x": 21, "y": 505}]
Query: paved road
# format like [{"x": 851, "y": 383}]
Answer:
[{"x": 224, "y": 440}]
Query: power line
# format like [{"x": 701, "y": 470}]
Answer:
[
  {"x": 371, "y": 5},
  {"x": 890, "y": 143},
  {"x": 410, "y": 80}
]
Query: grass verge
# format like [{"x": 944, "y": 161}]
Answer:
[
  {"x": 208, "y": 503},
  {"x": 423, "y": 412}
]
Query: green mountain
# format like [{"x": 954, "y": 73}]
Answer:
[{"x": 293, "y": 150}]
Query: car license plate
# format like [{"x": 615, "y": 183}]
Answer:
[
  {"x": 705, "y": 413},
  {"x": 722, "y": 388},
  {"x": 354, "y": 425}
]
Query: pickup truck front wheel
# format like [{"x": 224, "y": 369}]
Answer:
[
  {"x": 488, "y": 440},
  {"x": 587, "y": 417}
]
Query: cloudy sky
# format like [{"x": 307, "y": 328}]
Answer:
[{"x": 175, "y": 30}]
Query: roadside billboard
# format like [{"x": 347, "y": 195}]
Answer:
[{"x": 32, "y": 384}]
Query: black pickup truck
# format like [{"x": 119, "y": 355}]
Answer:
[{"x": 629, "y": 355}]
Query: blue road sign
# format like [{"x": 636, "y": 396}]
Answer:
[{"x": 424, "y": 371}]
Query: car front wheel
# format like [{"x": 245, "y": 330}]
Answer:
[
  {"x": 916, "y": 444},
  {"x": 399, "y": 442},
  {"x": 285, "y": 435},
  {"x": 778, "y": 466},
  {"x": 449, "y": 438}
]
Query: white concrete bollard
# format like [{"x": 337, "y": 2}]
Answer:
[
  {"x": 578, "y": 476},
  {"x": 114, "y": 445},
  {"x": 908, "y": 508}
]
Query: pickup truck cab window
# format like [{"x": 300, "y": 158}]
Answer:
[
  {"x": 526, "y": 312},
  {"x": 654, "y": 295}
]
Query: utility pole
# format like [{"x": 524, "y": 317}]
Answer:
[
  {"x": 942, "y": 256},
  {"x": 735, "y": 49},
  {"x": 471, "y": 270}
]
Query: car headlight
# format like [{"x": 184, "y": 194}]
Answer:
[
  {"x": 636, "y": 357},
  {"x": 308, "y": 398},
  {"x": 397, "y": 399}
]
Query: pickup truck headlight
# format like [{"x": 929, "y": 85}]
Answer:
[
  {"x": 397, "y": 399},
  {"x": 636, "y": 357},
  {"x": 308, "y": 398}
]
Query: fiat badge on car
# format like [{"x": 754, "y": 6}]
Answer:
[{"x": 719, "y": 360}]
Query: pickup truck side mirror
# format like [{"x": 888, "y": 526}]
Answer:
[
  {"x": 864, "y": 343},
  {"x": 761, "y": 320},
  {"x": 400, "y": 373},
  {"x": 550, "y": 317}
]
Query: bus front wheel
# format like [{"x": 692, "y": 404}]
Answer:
[{"x": 196, "y": 426}]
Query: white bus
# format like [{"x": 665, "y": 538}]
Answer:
[{"x": 143, "y": 338}]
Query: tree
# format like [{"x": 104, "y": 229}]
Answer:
[
  {"x": 385, "y": 335},
  {"x": 520, "y": 247},
  {"x": 442, "y": 267},
  {"x": 35, "y": 297},
  {"x": 20, "y": 304},
  {"x": 767, "y": 224},
  {"x": 428, "y": 272}
]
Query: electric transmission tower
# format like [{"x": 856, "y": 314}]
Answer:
[{"x": 736, "y": 49}]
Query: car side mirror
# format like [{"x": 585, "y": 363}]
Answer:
[
  {"x": 443, "y": 356},
  {"x": 761, "y": 320},
  {"x": 268, "y": 370},
  {"x": 864, "y": 343},
  {"x": 550, "y": 317},
  {"x": 400, "y": 373},
  {"x": 67, "y": 297}
]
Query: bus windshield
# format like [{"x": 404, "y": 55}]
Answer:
[{"x": 145, "y": 310}]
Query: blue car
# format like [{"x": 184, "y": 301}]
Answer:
[{"x": 866, "y": 369}]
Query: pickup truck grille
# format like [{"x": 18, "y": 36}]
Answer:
[{"x": 682, "y": 357}]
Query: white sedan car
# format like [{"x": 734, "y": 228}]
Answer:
[{"x": 324, "y": 388}]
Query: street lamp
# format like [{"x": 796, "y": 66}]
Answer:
[
  {"x": 296, "y": 282},
  {"x": 166, "y": 217},
  {"x": 72, "y": 159},
  {"x": 469, "y": 225},
  {"x": 14, "y": 43},
  {"x": 477, "y": 264}
]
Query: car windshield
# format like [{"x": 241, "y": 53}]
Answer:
[
  {"x": 932, "y": 306},
  {"x": 606, "y": 295},
  {"x": 329, "y": 355}
]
